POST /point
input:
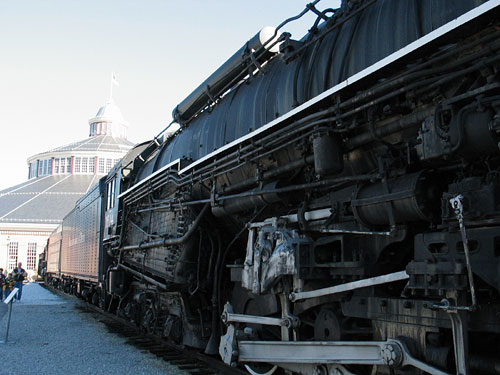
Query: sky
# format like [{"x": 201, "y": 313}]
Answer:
[{"x": 57, "y": 57}]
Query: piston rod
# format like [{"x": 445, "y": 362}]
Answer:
[{"x": 377, "y": 280}]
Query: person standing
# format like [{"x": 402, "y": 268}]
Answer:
[
  {"x": 8, "y": 286},
  {"x": 2, "y": 282},
  {"x": 19, "y": 274}
]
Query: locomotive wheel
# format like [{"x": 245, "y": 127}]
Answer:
[
  {"x": 261, "y": 369},
  {"x": 104, "y": 300},
  {"x": 326, "y": 326},
  {"x": 95, "y": 298},
  {"x": 148, "y": 321}
]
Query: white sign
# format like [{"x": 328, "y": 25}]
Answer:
[{"x": 11, "y": 295}]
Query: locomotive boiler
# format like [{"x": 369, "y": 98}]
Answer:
[{"x": 329, "y": 205}]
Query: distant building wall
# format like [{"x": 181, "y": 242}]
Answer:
[
  {"x": 57, "y": 178},
  {"x": 23, "y": 246}
]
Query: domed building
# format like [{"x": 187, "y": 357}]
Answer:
[{"x": 57, "y": 178}]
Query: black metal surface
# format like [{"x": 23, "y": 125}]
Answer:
[{"x": 365, "y": 39}]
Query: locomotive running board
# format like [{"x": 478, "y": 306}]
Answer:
[{"x": 391, "y": 353}]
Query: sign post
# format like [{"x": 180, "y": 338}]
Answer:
[{"x": 8, "y": 301}]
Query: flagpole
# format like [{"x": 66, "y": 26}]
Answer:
[{"x": 111, "y": 87}]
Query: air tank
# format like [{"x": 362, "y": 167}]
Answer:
[{"x": 263, "y": 45}]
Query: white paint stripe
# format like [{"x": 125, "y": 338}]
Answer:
[
  {"x": 22, "y": 187},
  {"x": 49, "y": 193},
  {"x": 29, "y": 200},
  {"x": 80, "y": 145}
]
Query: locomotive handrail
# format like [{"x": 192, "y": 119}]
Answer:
[{"x": 152, "y": 175}]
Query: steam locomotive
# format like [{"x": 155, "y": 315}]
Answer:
[{"x": 329, "y": 205}]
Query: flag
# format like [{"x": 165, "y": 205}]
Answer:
[{"x": 114, "y": 80}]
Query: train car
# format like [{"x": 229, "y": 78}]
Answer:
[
  {"x": 75, "y": 257},
  {"x": 74, "y": 251},
  {"x": 42, "y": 264},
  {"x": 328, "y": 205},
  {"x": 53, "y": 256},
  {"x": 81, "y": 255}
]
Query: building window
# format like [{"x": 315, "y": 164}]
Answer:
[
  {"x": 33, "y": 169},
  {"x": 78, "y": 161},
  {"x": 13, "y": 249},
  {"x": 62, "y": 165},
  {"x": 31, "y": 257},
  {"x": 101, "y": 166},
  {"x": 85, "y": 162},
  {"x": 108, "y": 165},
  {"x": 91, "y": 165},
  {"x": 40, "y": 168}
]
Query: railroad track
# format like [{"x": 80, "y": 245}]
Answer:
[{"x": 189, "y": 360}]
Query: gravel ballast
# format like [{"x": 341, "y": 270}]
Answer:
[{"x": 50, "y": 335}]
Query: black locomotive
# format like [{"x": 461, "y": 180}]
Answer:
[{"x": 329, "y": 205}]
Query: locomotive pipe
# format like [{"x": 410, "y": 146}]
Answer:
[
  {"x": 393, "y": 127},
  {"x": 259, "y": 198},
  {"x": 143, "y": 277},
  {"x": 331, "y": 182},
  {"x": 273, "y": 173},
  {"x": 172, "y": 241},
  {"x": 213, "y": 342},
  {"x": 317, "y": 184},
  {"x": 395, "y": 92},
  {"x": 414, "y": 76}
]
